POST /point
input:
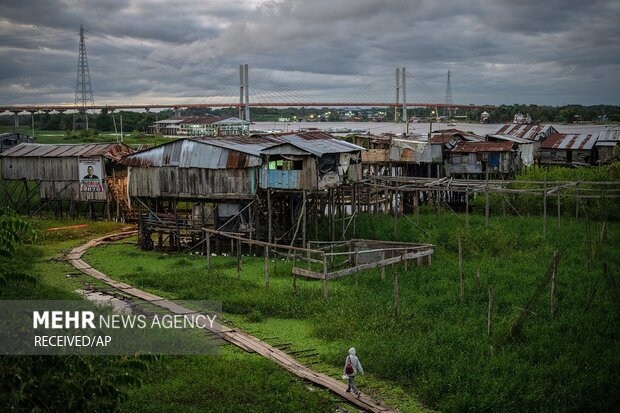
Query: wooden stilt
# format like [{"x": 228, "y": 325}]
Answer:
[
  {"x": 239, "y": 263},
  {"x": 208, "y": 243},
  {"x": 266, "y": 267}
]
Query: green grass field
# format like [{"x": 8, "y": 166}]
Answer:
[
  {"x": 437, "y": 353},
  {"x": 233, "y": 381},
  {"x": 131, "y": 139}
]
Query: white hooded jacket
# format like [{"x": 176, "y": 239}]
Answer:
[{"x": 354, "y": 362}]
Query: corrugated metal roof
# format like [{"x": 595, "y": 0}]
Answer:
[
  {"x": 510, "y": 138},
  {"x": 114, "y": 151},
  {"x": 196, "y": 153},
  {"x": 320, "y": 143},
  {"x": 232, "y": 121},
  {"x": 609, "y": 135},
  {"x": 526, "y": 131},
  {"x": 610, "y": 143},
  {"x": 468, "y": 147},
  {"x": 217, "y": 152},
  {"x": 170, "y": 121},
  {"x": 449, "y": 133},
  {"x": 252, "y": 145},
  {"x": 570, "y": 141}
]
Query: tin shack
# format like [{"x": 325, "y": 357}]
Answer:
[
  {"x": 78, "y": 173},
  {"x": 568, "y": 149},
  {"x": 309, "y": 161},
  {"x": 497, "y": 159}
]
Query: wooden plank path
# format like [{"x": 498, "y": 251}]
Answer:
[{"x": 234, "y": 336}]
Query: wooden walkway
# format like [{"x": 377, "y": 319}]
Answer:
[{"x": 234, "y": 336}]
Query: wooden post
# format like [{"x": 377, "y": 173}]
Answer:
[
  {"x": 490, "y": 313},
  {"x": 316, "y": 216},
  {"x": 332, "y": 213},
  {"x": 396, "y": 213},
  {"x": 461, "y": 274},
  {"x": 558, "y": 189},
  {"x": 467, "y": 205},
  {"x": 239, "y": 258},
  {"x": 354, "y": 207},
  {"x": 486, "y": 205},
  {"x": 545, "y": 207},
  {"x": 342, "y": 214},
  {"x": 251, "y": 221},
  {"x": 416, "y": 206},
  {"x": 176, "y": 223},
  {"x": 577, "y": 205},
  {"x": 303, "y": 219},
  {"x": 325, "y": 287},
  {"x": 266, "y": 266},
  {"x": 356, "y": 264},
  {"x": 383, "y": 268},
  {"x": 395, "y": 309},
  {"x": 269, "y": 230},
  {"x": 554, "y": 287},
  {"x": 208, "y": 242}
]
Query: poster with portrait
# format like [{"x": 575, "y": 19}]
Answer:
[{"x": 91, "y": 175}]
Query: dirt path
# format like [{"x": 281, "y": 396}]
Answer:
[{"x": 234, "y": 336}]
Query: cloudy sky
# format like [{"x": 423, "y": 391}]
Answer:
[{"x": 518, "y": 51}]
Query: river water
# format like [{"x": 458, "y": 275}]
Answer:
[{"x": 416, "y": 128}]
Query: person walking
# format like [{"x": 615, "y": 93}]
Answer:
[{"x": 351, "y": 366}]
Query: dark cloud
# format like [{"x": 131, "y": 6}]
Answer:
[{"x": 552, "y": 52}]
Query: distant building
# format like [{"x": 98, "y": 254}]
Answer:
[
  {"x": 568, "y": 149},
  {"x": 606, "y": 146},
  {"x": 208, "y": 125},
  {"x": 479, "y": 158},
  {"x": 8, "y": 140},
  {"x": 485, "y": 117},
  {"x": 522, "y": 119}
]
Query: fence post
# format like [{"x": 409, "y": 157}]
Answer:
[
  {"x": 545, "y": 207},
  {"x": 490, "y": 313},
  {"x": 558, "y": 189},
  {"x": 325, "y": 287},
  {"x": 462, "y": 275},
  {"x": 382, "y": 268},
  {"x": 486, "y": 206},
  {"x": 266, "y": 266},
  {"x": 554, "y": 287},
  {"x": 208, "y": 242},
  {"x": 467, "y": 205},
  {"x": 239, "y": 259}
]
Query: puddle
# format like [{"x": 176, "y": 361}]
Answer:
[{"x": 106, "y": 300}]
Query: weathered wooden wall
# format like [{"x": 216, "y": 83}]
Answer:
[
  {"x": 59, "y": 177},
  {"x": 172, "y": 181}
]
